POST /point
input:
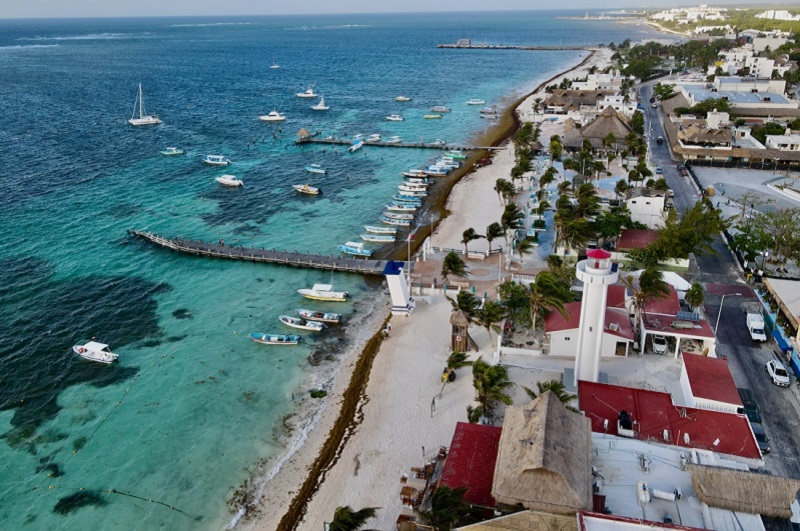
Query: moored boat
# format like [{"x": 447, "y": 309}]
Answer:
[
  {"x": 407, "y": 207},
  {"x": 476, "y": 101},
  {"x": 456, "y": 154},
  {"x": 216, "y": 160},
  {"x": 275, "y": 339},
  {"x": 414, "y": 173},
  {"x": 355, "y": 249},
  {"x": 374, "y": 138},
  {"x": 272, "y": 116},
  {"x": 309, "y": 93},
  {"x": 320, "y": 106},
  {"x": 431, "y": 116},
  {"x": 94, "y": 351},
  {"x": 415, "y": 192},
  {"x": 144, "y": 118},
  {"x": 395, "y": 118},
  {"x": 398, "y": 222},
  {"x": 316, "y": 168},
  {"x": 172, "y": 151},
  {"x": 417, "y": 180},
  {"x": 307, "y": 189},
  {"x": 378, "y": 238},
  {"x": 324, "y": 292},
  {"x": 229, "y": 180},
  {"x": 355, "y": 145},
  {"x": 402, "y": 98},
  {"x": 398, "y": 215},
  {"x": 403, "y": 198},
  {"x": 393, "y": 140},
  {"x": 380, "y": 230},
  {"x": 302, "y": 324},
  {"x": 323, "y": 317},
  {"x": 440, "y": 108},
  {"x": 489, "y": 110}
]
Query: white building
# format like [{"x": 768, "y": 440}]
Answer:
[
  {"x": 772, "y": 42},
  {"x": 707, "y": 383},
  {"x": 760, "y": 67},
  {"x": 778, "y": 14},
  {"x": 600, "y": 81},
  {"x": 785, "y": 142},
  {"x": 647, "y": 206},
  {"x": 618, "y": 103}
]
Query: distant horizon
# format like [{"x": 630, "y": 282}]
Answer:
[{"x": 89, "y": 9}]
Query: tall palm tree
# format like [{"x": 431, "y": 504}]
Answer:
[
  {"x": 547, "y": 177},
  {"x": 468, "y": 303},
  {"x": 493, "y": 231},
  {"x": 511, "y": 220},
  {"x": 558, "y": 388},
  {"x": 453, "y": 265},
  {"x": 504, "y": 190},
  {"x": 448, "y": 508},
  {"x": 525, "y": 246},
  {"x": 457, "y": 360},
  {"x": 546, "y": 293},
  {"x": 468, "y": 236},
  {"x": 490, "y": 382},
  {"x": 488, "y": 316},
  {"x": 620, "y": 188},
  {"x": 651, "y": 286},
  {"x": 346, "y": 519}
]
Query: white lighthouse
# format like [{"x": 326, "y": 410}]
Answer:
[{"x": 597, "y": 273}]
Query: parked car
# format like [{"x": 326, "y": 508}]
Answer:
[
  {"x": 778, "y": 373},
  {"x": 659, "y": 171},
  {"x": 750, "y": 408},
  {"x": 681, "y": 167},
  {"x": 659, "y": 344},
  {"x": 761, "y": 437}
]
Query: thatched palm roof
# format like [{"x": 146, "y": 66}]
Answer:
[
  {"x": 697, "y": 134},
  {"x": 746, "y": 492},
  {"x": 459, "y": 318},
  {"x": 544, "y": 460},
  {"x": 527, "y": 520},
  {"x": 608, "y": 121},
  {"x": 303, "y": 133}
]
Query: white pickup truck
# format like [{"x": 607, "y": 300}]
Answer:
[{"x": 755, "y": 321}]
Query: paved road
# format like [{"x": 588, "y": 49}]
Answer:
[{"x": 780, "y": 406}]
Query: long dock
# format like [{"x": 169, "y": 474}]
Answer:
[
  {"x": 269, "y": 256},
  {"x": 508, "y": 47},
  {"x": 418, "y": 145}
]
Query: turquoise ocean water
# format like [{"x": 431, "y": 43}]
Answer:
[{"x": 193, "y": 404}]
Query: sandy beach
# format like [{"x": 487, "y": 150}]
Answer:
[{"x": 405, "y": 414}]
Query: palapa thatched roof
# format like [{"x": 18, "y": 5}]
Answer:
[
  {"x": 608, "y": 121},
  {"x": 544, "y": 461},
  {"x": 459, "y": 318},
  {"x": 572, "y": 100},
  {"x": 527, "y": 520},
  {"x": 746, "y": 492},
  {"x": 303, "y": 133},
  {"x": 696, "y": 134}
]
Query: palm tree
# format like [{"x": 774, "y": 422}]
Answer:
[
  {"x": 448, "y": 507},
  {"x": 694, "y": 295},
  {"x": 620, "y": 188},
  {"x": 563, "y": 187},
  {"x": 558, "y": 388},
  {"x": 525, "y": 246},
  {"x": 488, "y": 317},
  {"x": 546, "y": 293},
  {"x": 651, "y": 286},
  {"x": 453, "y": 265},
  {"x": 511, "y": 219},
  {"x": 493, "y": 231},
  {"x": 457, "y": 360},
  {"x": 490, "y": 382},
  {"x": 475, "y": 414},
  {"x": 468, "y": 236},
  {"x": 504, "y": 189},
  {"x": 346, "y": 519},
  {"x": 547, "y": 177},
  {"x": 468, "y": 303}
]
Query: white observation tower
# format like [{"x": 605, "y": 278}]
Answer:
[{"x": 597, "y": 273}]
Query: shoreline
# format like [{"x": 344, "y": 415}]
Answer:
[{"x": 348, "y": 406}]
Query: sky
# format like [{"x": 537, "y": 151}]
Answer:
[{"x": 154, "y": 8}]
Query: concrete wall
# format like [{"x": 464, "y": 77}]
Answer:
[{"x": 561, "y": 346}]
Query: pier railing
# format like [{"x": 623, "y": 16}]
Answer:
[{"x": 270, "y": 256}]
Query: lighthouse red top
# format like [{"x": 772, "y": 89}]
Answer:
[{"x": 598, "y": 254}]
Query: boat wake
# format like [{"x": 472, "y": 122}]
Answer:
[
  {"x": 27, "y": 46},
  {"x": 88, "y": 37}
]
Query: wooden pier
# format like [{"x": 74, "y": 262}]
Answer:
[
  {"x": 418, "y": 145},
  {"x": 269, "y": 256},
  {"x": 509, "y": 47}
]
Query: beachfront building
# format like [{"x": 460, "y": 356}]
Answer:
[
  {"x": 601, "y": 81},
  {"x": 786, "y": 142},
  {"x": 630, "y": 239},
  {"x": 683, "y": 331},
  {"x": 685, "y": 15},
  {"x": 609, "y": 121},
  {"x": 566, "y": 101}
]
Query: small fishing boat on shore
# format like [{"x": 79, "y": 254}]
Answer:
[
  {"x": 316, "y": 168},
  {"x": 380, "y": 230},
  {"x": 229, "y": 180},
  {"x": 402, "y": 99},
  {"x": 323, "y": 317},
  {"x": 355, "y": 145},
  {"x": 398, "y": 215},
  {"x": 395, "y": 118},
  {"x": 414, "y": 173},
  {"x": 476, "y": 101},
  {"x": 302, "y": 324},
  {"x": 320, "y": 106},
  {"x": 398, "y": 222},
  {"x": 406, "y": 207},
  {"x": 433, "y": 171},
  {"x": 431, "y": 116},
  {"x": 417, "y": 180},
  {"x": 440, "y": 108},
  {"x": 94, "y": 351},
  {"x": 171, "y": 151},
  {"x": 378, "y": 238},
  {"x": 393, "y": 140},
  {"x": 272, "y": 116},
  {"x": 275, "y": 339},
  {"x": 456, "y": 154},
  {"x": 355, "y": 249},
  {"x": 489, "y": 111},
  {"x": 216, "y": 160},
  {"x": 306, "y": 189},
  {"x": 309, "y": 93},
  {"x": 403, "y": 198},
  {"x": 415, "y": 192},
  {"x": 324, "y": 292}
]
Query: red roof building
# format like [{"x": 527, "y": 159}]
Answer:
[
  {"x": 655, "y": 418},
  {"x": 470, "y": 462},
  {"x": 635, "y": 239},
  {"x": 668, "y": 305},
  {"x": 563, "y": 333},
  {"x": 707, "y": 383},
  {"x": 617, "y": 296}
]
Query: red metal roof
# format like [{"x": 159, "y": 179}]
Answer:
[
  {"x": 555, "y": 322},
  {"x": 598, "y": 254},
  {"x": 664, "y": 324},
  {"x": 668, "y": 305},
  {"x": 635, "y": 239},
  {"x": 616, "y": 296},
  {"x": 711, "y": 378},
  {"x": 470, "y": 462},
  {"x": 654, "y": 412}
]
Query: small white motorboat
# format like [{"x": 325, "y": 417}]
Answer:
[
  {"x": 316, "y": 168},
  {"x": 324, "y": 292},
  {"x": 144, "y": 118},
  {"x": 229, "y": 180},
  {"x": 94, "y": 351},
  {"x": 396, "y": 215},
  {"x": 374, "y": 138},
  {"x": 476, "y": 101},
  {"x": 438, "y": 142},
  {"x": 298, "y": 322},
  {"x": 320, "y": 106},
  {"x": 395, "y": 118},
  {"x": 378, "y": 238},
  {"x": 168, "y": 152},
  {"x": 273, "y": 116},
  {"x": 275, "y": 339},
  {"x": 431, "y": 116},
  {"x": 402, "y": 98},
  {"x": 355, "y": 145},
  {"x": 440, "y": 108},
  {"x": 309, "y": 93},
  {"x": 393, "y": 140},
  {"x": 355, "y": 249},
  {"x": 307, "y": 189},
  {"x": 216, "y": 160},
  {"x": 399, "y": 222},
  {"x": 380, "y": 230},
  {"x": 414, "y": 173},
  {"x": 323, "y": 317},
  {"x": 399, "y": 207}
]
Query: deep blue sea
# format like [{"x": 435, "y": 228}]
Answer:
[{"x": 193, "y": 405}]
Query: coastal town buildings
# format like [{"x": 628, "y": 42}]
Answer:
[
  {"x": 778, "y": 14},
  {"x": 685, "y": 15}
]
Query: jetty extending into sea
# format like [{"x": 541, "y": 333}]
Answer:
[
  {"x": 269, "y": 256},
  {"x": 469, "y": 46},
  {"x": 419, "y": 145}
]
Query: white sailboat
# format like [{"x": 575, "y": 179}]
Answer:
[{"x": 144, "y": 118}]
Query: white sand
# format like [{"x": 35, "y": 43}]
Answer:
[{"x": 405, "y": 377}]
